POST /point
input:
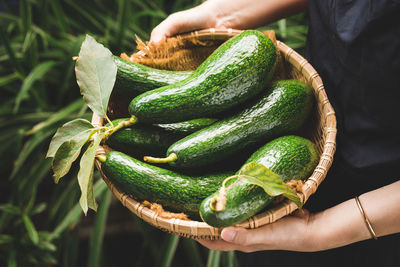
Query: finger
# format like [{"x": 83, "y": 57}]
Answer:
[
  {"x": 236, "y": 235},
  {"x": 222, "y": 245},
  {"x": 166, "y": 28},
  {"x": 244, "y": 237},
  {"x": 184, "y": 21}
]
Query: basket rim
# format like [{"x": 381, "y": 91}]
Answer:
[{"x": 201, "y": 230}]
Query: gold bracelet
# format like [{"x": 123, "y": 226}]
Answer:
[{"x": 367, "y": 222}]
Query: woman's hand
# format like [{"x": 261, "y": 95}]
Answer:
[
  {"x": 224, "y": 14},
  {"x": 290, "y": 233},
  {"x": 202, "y": 16},
  {"x": 335, "y": 227}
]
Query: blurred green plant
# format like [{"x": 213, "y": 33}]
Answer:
[{"x": 40, "y": 223}]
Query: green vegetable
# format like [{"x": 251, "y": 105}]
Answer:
[
  {"x": 281, "y": 111},
  {"x": 291, "y": 157},
  {"x": 187, "y": 127},
  {"x": 141, "y": 139},
  {"x": 235, "y": 72},
  {"x": 172, "y": 190},
  {"x": 133, "y": 78}
]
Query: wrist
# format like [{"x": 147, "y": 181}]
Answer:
[{"x": 331, "y": 229}]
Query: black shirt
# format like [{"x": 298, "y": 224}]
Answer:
[{"x": 355, "y": 47}]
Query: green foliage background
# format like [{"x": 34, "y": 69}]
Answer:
[{"x": 41, "y": 224}]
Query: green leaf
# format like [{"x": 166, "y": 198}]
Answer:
[
  {"x": 123, "y": 20},
  {"x": 271, "y": 182},
  {"x": 32, "y": 233},
  {"x": 57, "y": 116},
  {"x": 5, "y": 40},
  {"x": 11, "y": 209},
  {"x": 214, "y": 258},
  {"x": 229, "y": 258},
  {"x": 190, "y": 247},
  {"x": 85, "y": 175},
  {"x": 85, "y": 12},
  {"x": 60, "y": 15},
  {"x": 38, "y": 208},
  {"x": 49, "y": 259},
  {"x": 37, "y": 73},
  {"x": 12, "y": 259},
  {"x": 73, "y": 130},
  {"x": 46, "y": 245},
  {"x": 28, "y": 149},
  {"x": 99, "y": 226},
  {"x": 6, "y": 239},
  {"x": 168, "y": 250},
  {"x": 66, "y": 154},
  {"x": 95, "y": 73},
  {"x": 75, "y": 213},
  {"x": 9, "y": 78}
]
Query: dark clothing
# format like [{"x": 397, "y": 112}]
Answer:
[{"x": 355, "y": 47}]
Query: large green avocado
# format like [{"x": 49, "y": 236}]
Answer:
[
  {"x": 141, "y": 139},
  {"x": 292, "y": 157},
  {"x": 133, "y": 78},
  {"x": 172, "y": 190},
  {"x": 235, "y": 72},
  {"x": 282, "y": 111}
]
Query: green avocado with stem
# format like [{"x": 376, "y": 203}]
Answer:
[
  {"x": 282, "y": 111},
  {"x": 141, "y": 139},
  {"x": 174, "y": 191},
  {"x": 238, "y": 70},
  {"x": 291, "y": 157},
  {"x": 133, "y": 79}
]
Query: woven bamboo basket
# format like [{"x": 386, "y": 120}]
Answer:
[{"x": 187, "y": 51}]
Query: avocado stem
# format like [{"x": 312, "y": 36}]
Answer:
[
  {"x": 132, "y": 120},
  {"x": 101, "y": 158},
  {"x": 172, "y": 157}
]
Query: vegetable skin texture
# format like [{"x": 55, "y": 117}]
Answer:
[
  {"x": 177, "y": 192},
  {"x": 292, "y": 157},
  {"x": 235, "y": 72},
  {"x": 142, "y": 139},
  {"x": 282, "y": 111},
  {"x": 133, "y": 79}
]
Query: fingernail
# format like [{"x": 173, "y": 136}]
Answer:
[{"x": 228, "y": 235}]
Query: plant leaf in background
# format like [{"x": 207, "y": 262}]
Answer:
[
  {"x": 32, "y": 233},
  {"x": 85, "y": 175},
  {"x": 70, "y": 131},
  {"x": 37, "y": 73},
  {"x": 271, "y": 182},
  {"x": 95, "y": 73}
]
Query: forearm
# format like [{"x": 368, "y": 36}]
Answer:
[
  {"x": 244, "y": 14},
  {"x": 224, "y": 14},
  {"x": 343, "y": 224}
]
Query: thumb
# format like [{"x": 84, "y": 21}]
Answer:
[{"x": 236, "y": 235}]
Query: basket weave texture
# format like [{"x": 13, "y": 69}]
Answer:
[{"x": 186, "y": 52}]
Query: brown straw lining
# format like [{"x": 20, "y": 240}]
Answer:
[{"x": 322, "y": 133}]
